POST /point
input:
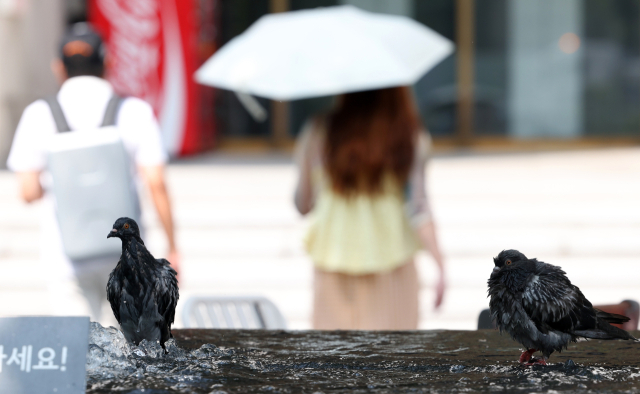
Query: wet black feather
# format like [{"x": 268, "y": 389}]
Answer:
[
  {"x": 540, "y": 308},
  {"x": 142, "y": 290}
]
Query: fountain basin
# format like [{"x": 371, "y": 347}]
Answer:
[{"x": 239, "y": 361}]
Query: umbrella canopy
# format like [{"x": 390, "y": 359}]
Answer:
[{"x": 324, "y": 51}]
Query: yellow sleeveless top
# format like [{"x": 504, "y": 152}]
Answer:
[{"x": 361, "y": 234}]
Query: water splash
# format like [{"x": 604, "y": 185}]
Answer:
[{"x": 112, "y": 363}]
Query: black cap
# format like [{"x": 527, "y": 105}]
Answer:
[{"x": 82, "y": 50}]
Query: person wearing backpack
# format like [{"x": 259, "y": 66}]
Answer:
[{"x": 83, "y": 152}]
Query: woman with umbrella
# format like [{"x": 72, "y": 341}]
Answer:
[
  {"x": 361, "y": 164},
  {"x": 362, "y": 173}
]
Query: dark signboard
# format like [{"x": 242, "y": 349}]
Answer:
[{"x": 43, "y": 354}]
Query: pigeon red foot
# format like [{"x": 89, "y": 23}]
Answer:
[
  {"x": 526, "y": 356},
  {"x": 536, "y": 361}
]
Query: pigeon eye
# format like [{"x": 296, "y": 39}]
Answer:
[
  {"x": 126, "y": 226},
  {"x": 508, "y": 262}
]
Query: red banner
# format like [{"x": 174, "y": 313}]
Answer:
[{"x": 152, "y": 52}]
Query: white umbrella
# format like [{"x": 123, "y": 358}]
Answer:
[{"x": 324, "y": 51}]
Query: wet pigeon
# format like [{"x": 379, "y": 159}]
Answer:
[
  {"x": 539, "y": 307},
  {"x": 142, "y": 290}
]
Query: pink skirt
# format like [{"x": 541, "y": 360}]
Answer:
[{"x": 383, "y": 301}]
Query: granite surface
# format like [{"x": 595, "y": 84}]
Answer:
[{"x": 390, "y": 362}]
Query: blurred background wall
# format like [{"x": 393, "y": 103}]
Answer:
[
  {"x": 29, "y": 35},
  {"x": 526, "y": 72}
]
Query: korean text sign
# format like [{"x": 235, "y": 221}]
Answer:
[{"x": 43, "y": 354}]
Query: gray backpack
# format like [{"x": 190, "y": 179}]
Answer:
[{"x": 93, "y": 183}]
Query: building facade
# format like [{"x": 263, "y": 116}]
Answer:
[{"x": 524, "y": 70}]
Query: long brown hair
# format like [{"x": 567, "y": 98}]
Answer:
[{"x": 369, "y": 134}]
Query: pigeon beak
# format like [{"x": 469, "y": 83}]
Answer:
[
  {"x": 496, "y": 269},
  {"x": 112, "y": 233}
]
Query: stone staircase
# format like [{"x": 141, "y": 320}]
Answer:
[{"x": 239, "y": 232}]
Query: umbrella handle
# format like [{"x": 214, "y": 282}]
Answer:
[{"x": 257, "y": 112}]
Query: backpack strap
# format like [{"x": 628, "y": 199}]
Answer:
[
  {"x": 111, "y": 112},
  {"x": 58, "y": 115}
]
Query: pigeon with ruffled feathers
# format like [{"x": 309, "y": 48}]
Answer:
[
  {"x": 538, "y": 306},
  {"x": 142, "y": 290}
]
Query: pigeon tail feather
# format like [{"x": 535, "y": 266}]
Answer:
[
  {"x": 613, "y": 318},
  {"x": 604, "y": 330}
]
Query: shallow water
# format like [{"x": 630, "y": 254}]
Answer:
[{"x": 235, "y": 361}]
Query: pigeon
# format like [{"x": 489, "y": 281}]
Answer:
[
  {"x": 142, "y": 290},
  {"x": 538, "y": 306}
]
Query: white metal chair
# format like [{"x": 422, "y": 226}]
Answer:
[{"x": 244, "y": 312}]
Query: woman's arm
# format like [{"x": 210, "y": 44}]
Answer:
[
  {"x": 420, "y": 213},
  {"x": 303, "y": 156},
  {"x": 427, "y": 235}
]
